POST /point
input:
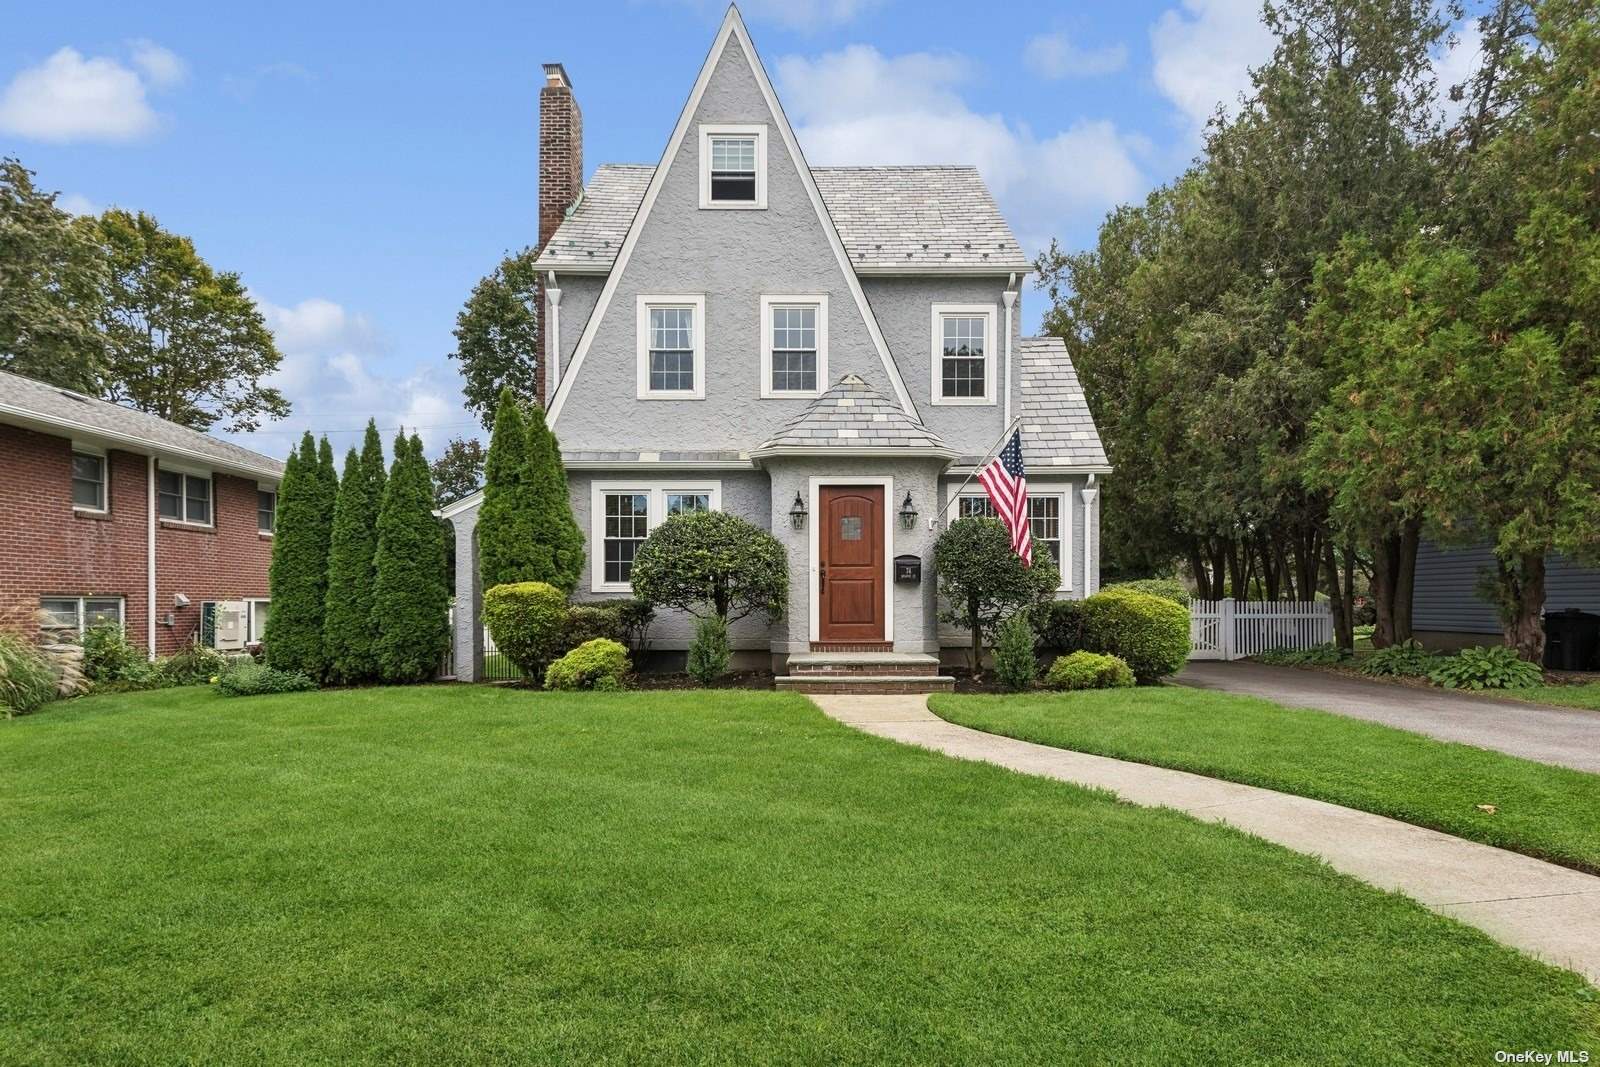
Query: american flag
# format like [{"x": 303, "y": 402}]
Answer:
[{"x": 1007, "y": 485}]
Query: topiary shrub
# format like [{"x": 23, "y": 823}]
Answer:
[
  {"x": 248, "y": 678},
  {"x": 599, "y": 664},
  {"x": 709, "y": 654},
  {"x": 193, "y": 665},
  {"x": 1486, "y": 668},
  {"x": 26, "y": 680},
  {"x": 108, "y": 657},
  {"x": 1405, "y": 660},
  {"x": 528, "y": 621},
  {"x": 590, "y": 622},
  {"x": 1060, "y": 624},
  {"x": 1170, "y": 588},
  {"x": 1014, "y": 665},
  {"x": 1150, "y": 633},
  {"x": 711, "y": 559},
  {"x": 1088, "y": 670}
]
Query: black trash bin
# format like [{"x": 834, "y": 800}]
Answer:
[{"x": 1572, "y": 640}]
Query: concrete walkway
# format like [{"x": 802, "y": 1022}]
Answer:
[
  {"x": 1566, "y": 737},
  {"x": 1546, "y": 911}
]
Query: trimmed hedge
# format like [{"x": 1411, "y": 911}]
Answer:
[
  {"x": 1088, "y": 670},
  {"x": 1150, "y": 633},
  {"x": 528, "y": 621},
  {"x": 1170, "y": 588},
  {"x": 591, "y": 622},
  {"x": 601, "y": 664},
  {"x": 1060, "y": 625}
]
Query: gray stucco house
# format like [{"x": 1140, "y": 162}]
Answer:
[{"x": 825, "y": 351}]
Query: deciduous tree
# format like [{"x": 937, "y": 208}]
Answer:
[{"x": 497, "y": 334}]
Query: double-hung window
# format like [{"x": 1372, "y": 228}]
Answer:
[
  {"x": 733, "y": 166},
  {"x": 182, "y": 497},
  {"x": 266, "y": 510},
  {"x": 794, "y": 345},
  {"x": 78, "y": 613},
  {"x": 975, "y": 507},
  {"x": 963, "y": 354},
  {"x": 88, "y": 481},
  {"x": 622, "y": 514},
  {"x": 671, "y": 347}
]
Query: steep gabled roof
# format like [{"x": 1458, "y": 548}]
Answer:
[
  {"x": 39, "y": 405},
  {"x": 1057, "y": 428},
  {"x": 890, "y": 220},
  {"x": 853, "y": 417}
]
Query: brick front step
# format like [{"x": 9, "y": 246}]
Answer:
[
  {"x": 857, "y": 664},
  {"x": 866, "y": 683}
]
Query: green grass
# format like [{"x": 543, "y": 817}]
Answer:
[
  {"x": 1544, "y": 811},
  {"x": 474, "y": 874},
  {"x": 1585, "y": 696}
]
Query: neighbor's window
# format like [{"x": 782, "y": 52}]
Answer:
[
  {"x": 88, "y": 481},
  {"x": 78, "y": 613},
  {"x": 1044, "y": 525},
  {"x": 266, "y": 510},
  {"x": 184, "y": 497},
  {"x": 627, "y": 524},
  {"x": 975, "y": 507},
  {"x": 733, "y": 169},
  {"x": 963, "y": 354}
]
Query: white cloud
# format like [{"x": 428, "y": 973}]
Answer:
[
  {"x": 73, "y": 97},
  {"x": 336, "y": 375},
  {"x": 1455, "y": 65},
  {"x": 77, "y": 204},
  {"x": 161, "y": 66},
  {"x": 1053, "y": 56},
  {"x": 1203, "y": 52},
  {"x": 857, "y": 106}
]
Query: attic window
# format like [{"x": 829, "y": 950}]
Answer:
[{"x": 733, "y": 166}]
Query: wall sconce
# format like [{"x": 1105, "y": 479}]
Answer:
[
  {"x": 908, "y": 513},
  {"x": 797, "y": 513}
]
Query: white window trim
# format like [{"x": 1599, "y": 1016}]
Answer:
[
  {"x": 768, "y": 304},
  {"x": 756, "y": 130},
  {"x": 953, "y": 512},
  {"x": 105, "y": 478},
  {"x": 187, "y": 473},
  {"x": 655, "y": 514},
  {"x": 990, "y": 356},
  {"x": 642, "y": 307},
  {"x": 251, "y": 602},
  {"x": 83, "y": 611},
  {"x": 260, "y": 489}
]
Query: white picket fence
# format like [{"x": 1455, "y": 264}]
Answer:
[{"x": 1234, "y": 629}]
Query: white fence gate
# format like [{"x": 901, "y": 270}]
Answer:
[{"x": 1234, "y": 629}]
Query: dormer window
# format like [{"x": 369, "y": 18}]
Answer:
[{"x": 733, "y": 166}]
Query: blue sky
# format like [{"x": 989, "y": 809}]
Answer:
[{"x": 362, "y": 165}]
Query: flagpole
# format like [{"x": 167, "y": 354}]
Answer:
[{"x": 998, "y": 445}]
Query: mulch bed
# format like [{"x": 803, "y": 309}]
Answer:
[{"x": 737, "y": 680}]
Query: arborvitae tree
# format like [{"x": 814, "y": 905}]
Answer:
[
  {"x": 349, "y": 637},
  {"x": 507, "y": 551},
  {"x": 299, "y": 573},
  {"x": 410, "y": 601},
  {"x": 330, "y": 476},
  {"x": 555, "y": 530}
]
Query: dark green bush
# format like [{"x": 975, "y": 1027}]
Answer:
[
  {"x": 108, "y": 656},
  {"x": 636, "y": 614},
  {"x": 1150, "y": 633},
  {"x": 1407, "y": 660},
  {"x": 983, "y": 582},
  {"x": 528, "y": 621},
  {"x": 1014, "y": 665},
  {"x": 1170, "y": 588},
  {"x": 591, "y": 622},
  {"x": 26, "y": 680},
  {"x": 710, "y": 653},
  {"x": 248, "y": 678},
  {"x": 1060, "y": 624},
  {"x": 1486, "y": 668},
  {"x": 410, "y": 598},
  {"x": 1329, "y": 655},
  {"x": 600, "y": 664},
  {"x": 1088, "y": 670},
  {"x": 298, "y": 575},
  {"x": 711, "y": 559}
]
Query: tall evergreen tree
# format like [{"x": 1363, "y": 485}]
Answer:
[
  {"x": 349, "y": 637},
  {"x": 410, "y": 601},
  {"x": 507, "y": 551},
  {"x": 555, "y": 530},
  {"x": 298, "y": 576}
]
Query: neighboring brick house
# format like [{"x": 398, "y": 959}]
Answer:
[
  {"x": 104, "y": 509},
  {"x": 828, "y": 352}
]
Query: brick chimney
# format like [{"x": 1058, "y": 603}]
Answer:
[{"x": 560, "y": 173}]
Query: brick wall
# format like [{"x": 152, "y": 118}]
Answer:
[
  {"x": 560, "y": 176},
  {"x": 47, "y": 549}
]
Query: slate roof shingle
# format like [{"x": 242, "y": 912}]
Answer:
[
  {"x": 1057, "y": 428},
  {"x": 901, "y": 218},
  {"x": 24, "y": 399},
  {"x": 853, "y": 415}
]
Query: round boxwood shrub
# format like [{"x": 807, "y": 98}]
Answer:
[
  {"x": 1088, "y": 670},
  {"x": 598, "y": 664},
  {"x": 1150, "y": 633},
  {"x": 528, "y": 621},
  {"x": 1170, "y": 588},
  {"x": 715, "y": 560}
]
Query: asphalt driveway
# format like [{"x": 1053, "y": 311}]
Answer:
[{"x": 1562, "y": 736}]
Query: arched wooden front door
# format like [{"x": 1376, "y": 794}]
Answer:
[{"x": 850, "y": 583}]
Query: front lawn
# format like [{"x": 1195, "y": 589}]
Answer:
[
  {"x": 472, "y": 874},
  {"x": 1583, "y": 695},
  {"x": 1544, "y": 811}
]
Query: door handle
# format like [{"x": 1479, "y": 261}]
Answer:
[{"x": 822, "y": 580}]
